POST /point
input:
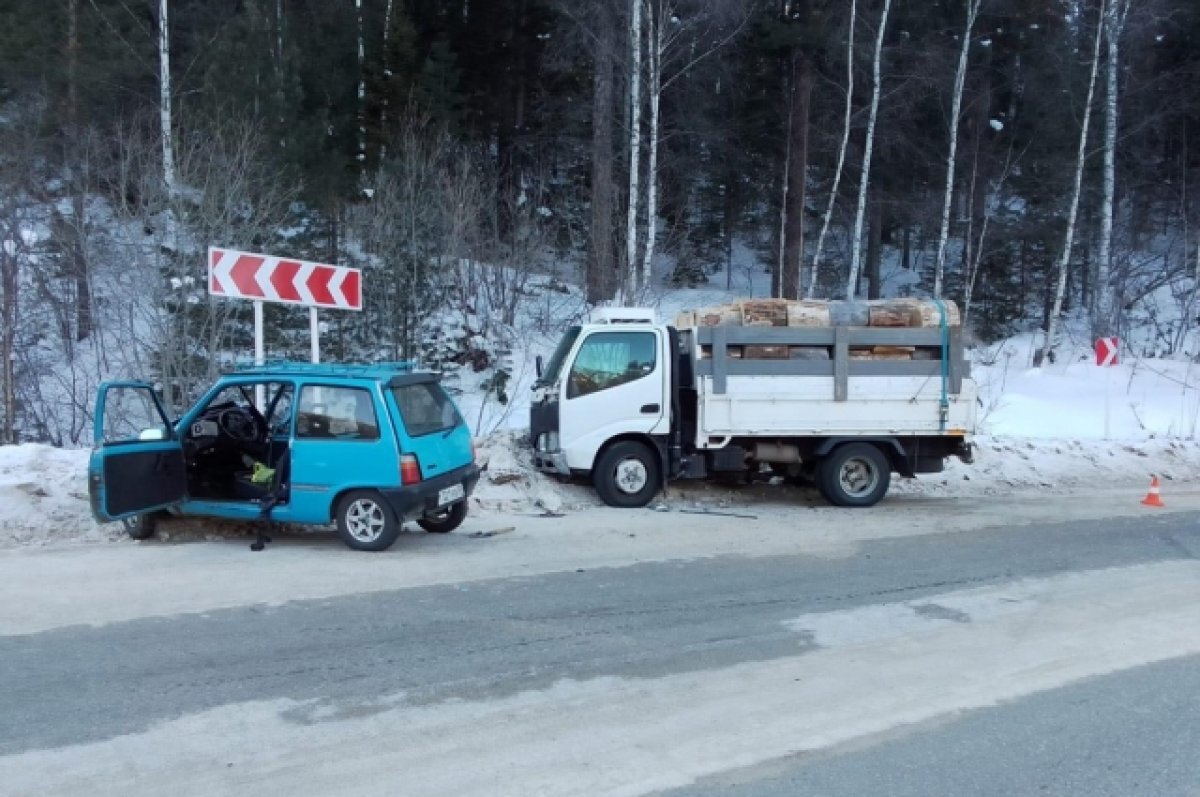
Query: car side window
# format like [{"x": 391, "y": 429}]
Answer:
[
  {"x": 341, "y": 413},
  {"x": 608, "y": 359}
]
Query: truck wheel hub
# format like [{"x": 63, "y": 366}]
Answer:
[
  {"x": 857, "y": 477},
  {"x": 631, "y": 476}
]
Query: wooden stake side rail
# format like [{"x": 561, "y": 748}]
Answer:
[{"x": 840, "y": 340}]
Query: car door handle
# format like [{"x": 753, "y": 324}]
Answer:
[{"x": 650, "y": 409}]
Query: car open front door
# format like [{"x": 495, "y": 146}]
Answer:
[{"x": 137, "y": 459}]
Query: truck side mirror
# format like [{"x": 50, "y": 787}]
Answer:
[{"x": 537, "y": 365}]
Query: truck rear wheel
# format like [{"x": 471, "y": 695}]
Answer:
[
  {"x": 627, "y": 475},
  {"x": 854, "y": 474}
]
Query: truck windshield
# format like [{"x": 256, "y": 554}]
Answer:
[{"x": 550, "y": 375}]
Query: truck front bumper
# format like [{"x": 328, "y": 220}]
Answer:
[{"x": 551, "y": 462}]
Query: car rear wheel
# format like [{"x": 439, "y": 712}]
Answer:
[
  {"x": 365, "y": 522},
  {"x": 446, "y": 519}
]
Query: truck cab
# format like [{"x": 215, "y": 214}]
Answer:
[{"x": 607, "y": 385}]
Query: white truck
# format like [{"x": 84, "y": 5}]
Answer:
[{"x": 632, "y": 403}]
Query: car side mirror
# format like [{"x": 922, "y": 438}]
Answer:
[
  {"x": 537, "y": 366},
  {"x": 152, "y": 434}
]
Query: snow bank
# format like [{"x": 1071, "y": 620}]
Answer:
[{"x": 43, "y": 497}]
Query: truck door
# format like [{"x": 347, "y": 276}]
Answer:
[
  {"x": 616, "y": 385},
  {"x": 137, "y": 459}
]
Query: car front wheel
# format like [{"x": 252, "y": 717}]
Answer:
[
  {"x": 140, "y": 527},
  {"x": 365, "y": 522}
]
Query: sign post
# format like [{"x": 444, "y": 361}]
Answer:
[
  {"x": 265, "y": 278},
  {"x": 1106, "y": 357}
]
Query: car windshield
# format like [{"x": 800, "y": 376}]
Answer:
[
  {"x": 425, "y": 408},
  {"x": 551, "y": 373}
]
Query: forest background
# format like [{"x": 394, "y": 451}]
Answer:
[{"x": 495, "y": 167}]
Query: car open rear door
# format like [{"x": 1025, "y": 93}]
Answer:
[{"x": 137, "y": 460}]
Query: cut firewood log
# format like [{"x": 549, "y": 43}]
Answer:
[
  {"x": 893, "y": 352},
  {"x": 719, "y": 317},
  {"x": 765, "y": 352},
  {"x": 764, "y": 312},
  {"x": 808, "y": 353},
  {"x": 880, "y": 353},
  {"x": 850, "y": 314},
  {"x": 890, "y": 314},
  {"x": 686, "y": 319},
  {"x": 808, "y": 314},
  {"x": 926, "y": 314}
]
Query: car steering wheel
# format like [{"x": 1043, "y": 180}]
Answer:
[{"x": 240, "y": 424}]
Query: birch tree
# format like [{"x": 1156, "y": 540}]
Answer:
[
  {"x": 635, "y": 149},
  {"x": 1105, "y": 303},
  {"x": 864, "y": 183},
  {"x": 164, "y": 98},
  {"x": 841, "y": 161},
  {"x": 361, "y": 119},
  {"x": 1080, "y": 159},
  {"x": 960, "y": 75}
]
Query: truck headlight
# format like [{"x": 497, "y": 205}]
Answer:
[{"x": 551, "y": 441}]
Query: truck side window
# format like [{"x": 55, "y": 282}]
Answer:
[{"x": 609, "y": 359}]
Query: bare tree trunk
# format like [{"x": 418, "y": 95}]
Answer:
[
  {"x": 1065, "y": 259},
  {"x": 387, "y": 77},
  {"x": 865, "y": 181},
  {"x": 361, "y": 155},
  {"x": 960, "y": 75},
  {"x": 601, "y": 273},
  {"x": 635, "y": 146},
  {"x": 841, "y": 161},
  {"x": 8, "y": 323},
  {"x": 797, "y": 83},
  {"x": 1105, "y": 289},
  {"x": 657, "y": 44},
  {"x": 875, "y": 246},
  {"x": 164, "y": 99},
  {"x": 78, "y": 253}
]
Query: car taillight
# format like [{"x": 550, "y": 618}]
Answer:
[{"x": 410, "y": 469}]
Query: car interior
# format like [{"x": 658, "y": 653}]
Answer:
[{"x": 231, "y": 436}]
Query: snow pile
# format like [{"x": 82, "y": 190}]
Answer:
[
  {"x": 509, "y": 482},
  {"x": 1070, "y": 399},
  {"x": 43, "y": 497}
]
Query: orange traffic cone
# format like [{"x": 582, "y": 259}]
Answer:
[{"x": 1152, "y": 498}]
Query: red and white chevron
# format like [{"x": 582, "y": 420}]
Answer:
[{"x": 245, "y": 275}]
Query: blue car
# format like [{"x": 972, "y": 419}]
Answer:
[{"x": 367, "y": 447}]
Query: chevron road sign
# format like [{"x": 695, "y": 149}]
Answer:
[
  {"x": 244, "y": 275},
  {"x": 265, "y": 278}
]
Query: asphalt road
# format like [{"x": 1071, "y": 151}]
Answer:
[{"x": 77, "y": 701}]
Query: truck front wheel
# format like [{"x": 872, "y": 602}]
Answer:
[
  {"x": 854, "y": 474},
  {"x": 627, "y": 475}
]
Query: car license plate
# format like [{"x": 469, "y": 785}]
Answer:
[{"x": 450, "y": 494}]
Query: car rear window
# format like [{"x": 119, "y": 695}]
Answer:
[{"x": 425, "y": 408}]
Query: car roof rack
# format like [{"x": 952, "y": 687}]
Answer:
[{"x": 383, "y": 369}]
